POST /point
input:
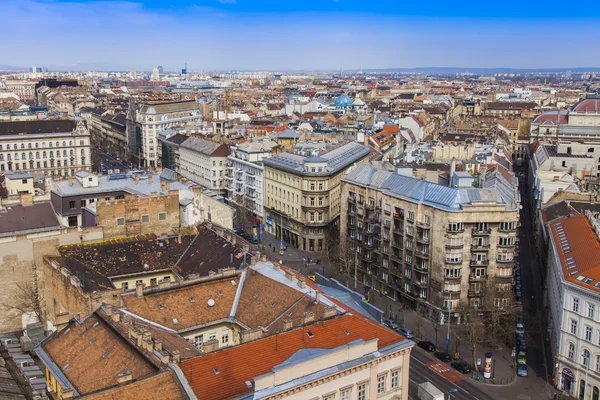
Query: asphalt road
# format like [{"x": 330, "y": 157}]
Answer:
[{"x": 100, "y": 158}]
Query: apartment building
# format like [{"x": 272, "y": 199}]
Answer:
[
  {"x": 45, "y": 147},
  {"x": 428, "y": 245},
  {"x": 302, "y": 194},
  {"x": 108, "y": 132},
  {"x": 144, "y": 125},
  {"x": 245, "y": 175},
  {"x": 574, "y": 301},
  {"x": 22, "y": 88},
  {"x": 204, "y": 162}
]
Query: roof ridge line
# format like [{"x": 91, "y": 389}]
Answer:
[{"x": 238, "y": 294}]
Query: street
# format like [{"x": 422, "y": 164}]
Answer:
[{"x": 104, "y": 162}]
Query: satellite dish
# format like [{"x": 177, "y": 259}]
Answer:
[{"x": 211, "y": 302}]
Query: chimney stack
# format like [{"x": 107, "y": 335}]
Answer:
[
  {"x": 66, "y": 393},
  {"x": 137, "y": 178},
  {"x": 317, "y": 297},
  {"x": 149, "y": 179},
  {"x": 168, "y": 185},
  {"x": 116, "y": 316},
  {"x": 70, "y": 180},
  {"x": 288, "y": 324},
  {"x": 139, "y": 289},
  {"x": 176, "y": 356},
  {"x": 124, "y": 377}
]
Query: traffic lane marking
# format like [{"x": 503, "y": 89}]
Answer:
[{"x": 445, "y": 371}]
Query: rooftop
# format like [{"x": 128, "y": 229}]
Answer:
[
  {"x": 29, "y": 218},
  {"x": 206, "y": 147},
  {"x": 337, "y": 159},
  {"x": 238, "y": 365},
  {"x": 434, "y": 195},
  {"x": 89, "y": 355},
  {"x": 37, "y": 126},
  {"x": 578, "y": 250}
]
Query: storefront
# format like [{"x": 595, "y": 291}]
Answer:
[{"x": 567, "y": 382}]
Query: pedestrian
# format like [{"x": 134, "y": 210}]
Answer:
[
  {"x": 303, "y": 260},
  {"x": 273, "y": 249},
  {"x": 270, "y": 244}
]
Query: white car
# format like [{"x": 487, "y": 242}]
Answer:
[{"x": 520, "y": 329}]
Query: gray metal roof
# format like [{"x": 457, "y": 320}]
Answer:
[
  {"x": 22, "y": 175},
  {"x": 495, "y": 189},
  {"x": 337, "y": 159}
]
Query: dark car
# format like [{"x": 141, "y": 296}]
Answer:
[
  {"x": 461, "y": 366},
  {"x": 430, "y": 347},
  {"x": 445, "y": 357}
]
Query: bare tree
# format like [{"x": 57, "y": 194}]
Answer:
[
  {"x": 473, "y": 328},
  {"x": 25, "y": 299},
  {"x": 418, "y": 325},
  {"x": 436, "y": 326}
]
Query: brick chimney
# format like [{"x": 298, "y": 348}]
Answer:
[
  {"x": 139, "y": 289},
  {"x": 176, "y": 356},
  {"x": 149, "y": 179},
  {"x": 308, "y": 318},
  {"x": 318, "y": 297},
  {"x": 210, "y": 346},
  {"x": 302, "y": 282},
  {"x": 263, "y": 258},
  {"x": 66, "y": 393},
  {"x": 137, "y": 178},
  {"x": 115, "y": 316},
  {"x": 164, "y": 283},
  {"x": 164, "y": 357},
  {"x": 329, "y": 312},
  {"x": 168, "y": 185},
  {"x": 162, "y": 186},
  {"x": 158, "y": 347},
  {"x": 258, "y": 254},
  {"x": 70, "y": 179},
  {"x": 290, "y": 275},
  {"x": 288, "y": 324},
  {"x": 124, "y": 377}
]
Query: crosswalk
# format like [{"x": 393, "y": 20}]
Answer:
[{"x": 445, "y": 371}]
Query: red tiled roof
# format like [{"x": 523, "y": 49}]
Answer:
[
  {"x": 580, "y": 254},
  {"x": 587, "y": 106},
  {"x": 242, "y": 363}
]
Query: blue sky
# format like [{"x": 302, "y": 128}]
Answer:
[{"x": 294, "y": 34}]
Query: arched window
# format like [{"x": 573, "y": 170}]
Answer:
[
  {"x": 23, "y": 156},
  {"x": 37, "y": 155},
  {"x": 28, "y": 145},
  {"x": 571, "y": 354},
  {"x": 64, "y": 153},
  {"x": 64, "y": 143},
  {"x": 71, "y": 153},
  {"x": 30, "y": 155},
  {"x": 15, "y": 147},
  {"x": 57, "y": 144},
  {"x": 51, "y": 154},
  {"x": 37, "y": 145},
  {"x": 44, "y": 154},
  {"x": 585, "y": 358}
]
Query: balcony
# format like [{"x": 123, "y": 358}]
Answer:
[
  {"x": 507, "y": 230},
  {"x": 475, "y": 263},
  {"x": 454, "y": 246},
  {"x": 397, "y": 258},
  {"x": 409, "y": 233},
  {"x": 422, "y": 239},
  {"x": 251, "y": 195},
  {"x": 504, "y": 262},
  {"x": 477, "y": 278},
  {"x": 399, "y": 216},
  {"x": 484, "y": 247},
  {"x": 506, "y": 246},
  {"x": 421, "y": 284},
  {"x": 455, "y": 294},
  {"x": 453, "y": 278},
  {"x": 351, "y": 212},
  {"x": 421, "y": 268},
  {"x": 455, "y": 231},
  {"x": 368, "y": 245},
  {"x": 352, "y": 199},
  {"x": 370, "y": 206},
  {"x": 454, "y": 262},
  {"x": 481, "y": 232},
  {"x": 421, "y": 254},
  {"x": 251, "y": 173},
  {"x": 423, "y": 225},
  {"x": 503, "y": 278},
  {"x": 397, "y": 245},
  {"x": 399, "y": 230},
  {"x": 475, "y": 293},
  {"x": 396, "y": 272}
]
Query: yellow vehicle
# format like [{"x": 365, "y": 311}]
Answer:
[{"x": 312, "y": 277}]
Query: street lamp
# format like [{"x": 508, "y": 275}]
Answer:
[
  {"x": 586, "y": 362},
  {"x": 449, "y": 311},
  {"x": 453, "y": 390}
]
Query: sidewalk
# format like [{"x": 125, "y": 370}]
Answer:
[{"x": 504, "y": 373}]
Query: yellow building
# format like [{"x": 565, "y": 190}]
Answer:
[{"x": 302, "y": 194}]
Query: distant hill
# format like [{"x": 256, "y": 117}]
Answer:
[{"x": 11, "y": 68}]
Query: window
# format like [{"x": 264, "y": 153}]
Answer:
[
  {"x": 411, "y": 215},
  {"x": 198, "y": 341},
  {"x": 381, "y": 384},
  {"x": 345, "y": 394},
  {"x": 574, "y": 327},
  {"x": 72, "y": 205},
  {"x": 395, "y": 377},
  {"x": 575, "y": 307},
  {"x": 362, "y": 391},
  {"x": 456, "y": 227},
  {"x": 585, "y": 358},
  {"x": 225, "y": 337},
  {"x": 72, "y": 220},
  {"x": 591, "y": 309},
  {"x": 588, "y": 333},
  {"x": 162, "y": 216},
  {"x": 452, "y": 272},
  {"x": 145, "y": 218},
  {"x": 125, "y": 285},
  {"x": 120, "y": 221}
]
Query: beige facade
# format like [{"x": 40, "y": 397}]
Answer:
[
  {"x": 17, "y": 184},
  {"x": 385, "y": 377},
  {"x": 449, "y": 152},
  {"x": 426, "y": 254},
  {"x": 302, "y": 206}
]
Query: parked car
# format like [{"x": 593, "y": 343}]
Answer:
[
  {"x": 407, "y": 333},
  {"x": 519, "y": 299},
  {"x": 521, "y": 358},
  {"x": 430, "y": 347},
  {"x": 461, "y": 366},
  {"x": 445, "y": 357},
  {"x": 522, "y": 369},
  {"x": 520, "y": 345},
  {"x": 520, "y": 328},
  {"x": 390, "y": 324}
]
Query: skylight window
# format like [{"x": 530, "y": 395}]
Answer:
[
  {"x": 216, "y": 371},
  {"x": 310, "y": 334},
  {"x": 588, "y": 281}
]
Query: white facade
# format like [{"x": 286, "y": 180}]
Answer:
[
  {"x": 46, "y": 154},
  {"x": 199, "y": 163},
  {"x": 153, "y": 119},
  {"x": 575, "y": 323}
]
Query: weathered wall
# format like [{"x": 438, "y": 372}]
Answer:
[
  {"x": 21, "y": 261},
  {"x": 133, "y": 209}
]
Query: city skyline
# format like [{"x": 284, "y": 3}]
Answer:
[{"x": 272, "y": 36}]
